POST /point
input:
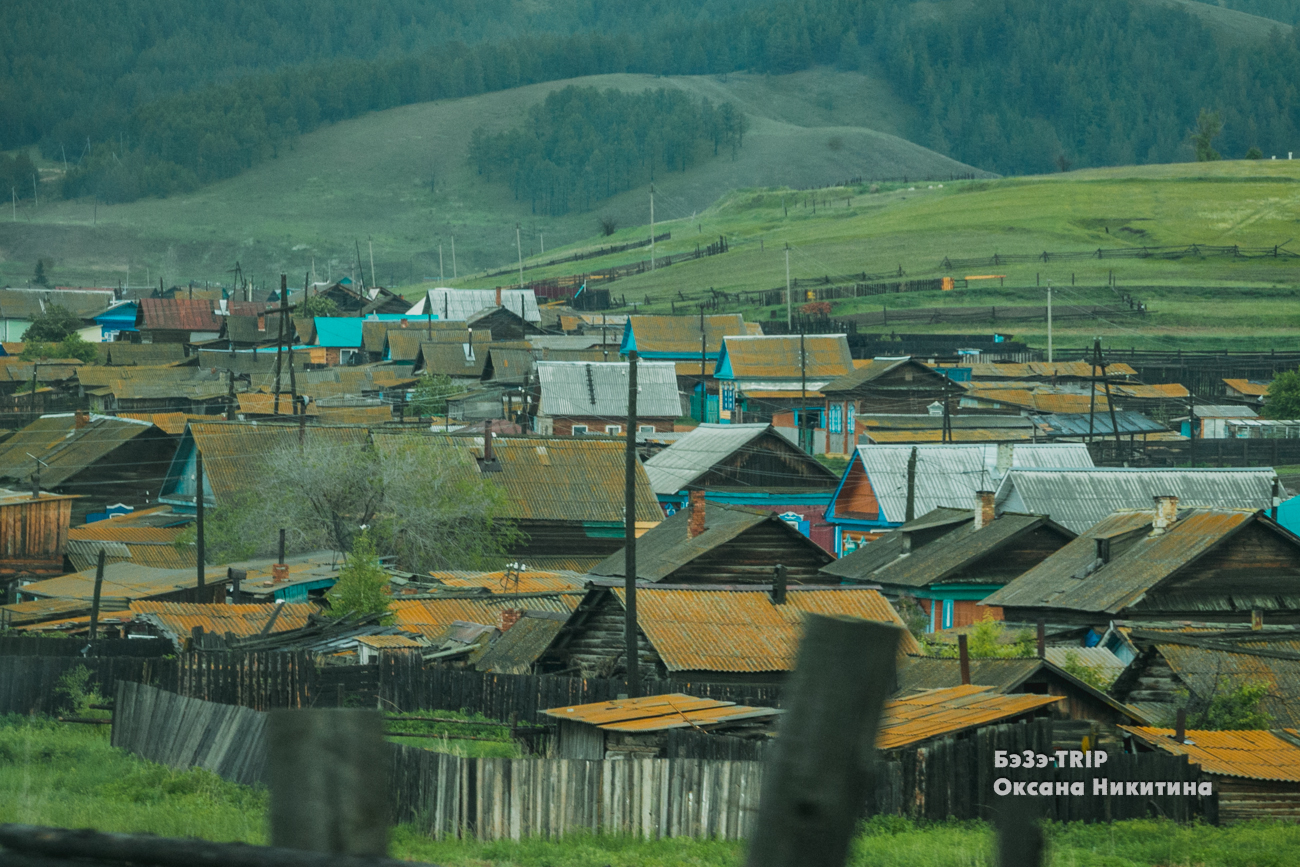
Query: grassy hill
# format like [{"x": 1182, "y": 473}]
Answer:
[
  {"x": 1220, "y": 303},
  {"x": 401, "y": 178}
]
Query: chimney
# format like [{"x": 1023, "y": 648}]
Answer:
[
  {"x": 1180, "y": 725},
  {"x": 488, "y": 454},
  {"x": 984, "y": 514},
  {"x": 509, "y": 617},
  {"x": 1256, "y": 620},
  {"x": 778, "y": 584},
  {"x": 963, "y": 654},
  {"x": 82, "y": 419},
  {"x": 279, "y": 573},
  {"x": 695, "y": 521},
  {"x": 1166, "y": 513},
  {"x": 907, "y": 542},
  {"x": 498, "y": 296},
  {"x": 1103, "y": 550},
  {"x": 1042, "y": 639},
  {"x": 1004, "y": 459}
]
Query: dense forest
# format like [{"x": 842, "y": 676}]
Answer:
[
  {"x": 581, "y": 145},
  {"x": 1287, "y": 11},
  {"x": 1008, "y": 85}
]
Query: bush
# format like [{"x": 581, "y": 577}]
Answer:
[
  {"x": 362, "y": 587},
  {"x": 56, "y": 323}
]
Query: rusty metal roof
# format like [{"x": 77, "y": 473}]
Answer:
[
  {"x": 178, "y": 619},
  {"x": 169, "y": 422},
  {"x": 84, "y": 554},
  {"x": 529, "y": 581},
  {"x": 676, "y": 336},
  {"x": 1043, "y": 369},
  {"x": 521, "y": 645},
  {"x": 179, "y": 314},
  {"x": 1246, "y": 386},
  {"x": 1036, "y": 400},
  {"x": 261, "y": 403},
  {"x": 738, "y": 629},
  {"x": 38, "y": 610},
  {"x": 1073, "y": 578},
  {"x": 123, "y": 581},
  {"x": 378, "y": 414},
  {"x": 432, "y": 617},
  {"x": 659, "y": 713},
  {"x": 940, "y": 712},
  {"x": 66, "y": 449},
  {"x": 389, "y": 642},
  {"x": 108, "y": 531},
  {"x": 1252, "y": 754},
  {"x": 826, "y": 357}
]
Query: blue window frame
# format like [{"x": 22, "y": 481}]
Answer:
[
  {"x": 835, "y": 418},
  {"x": 947, "y": 613}
]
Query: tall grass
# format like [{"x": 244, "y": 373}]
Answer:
[{"x": 69, "y": 776}]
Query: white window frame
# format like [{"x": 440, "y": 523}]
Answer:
[
  {"x": 645, "y": 428},
  {"x": 614, "y": 429},
  {"x": 579, "y": 430}
]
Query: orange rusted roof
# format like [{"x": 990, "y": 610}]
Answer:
[
  {"x": 1040, "y": 401},
  {"x": 432, "y": 617},
  {"x": 179, "y": 618},
  {"x": 1245, "y": 386},
  {"x": 739, "y": 629},
  {"x": 37, "y": 610},
  {"x": 381, "y": 414},
  {"x": 107, "y": 531},
  {"x": 939, "y": 712},
  {"x": 1256, "y": 755},
  {"x": 389, "y": 641},
  {"x": 1027, "y": 370},
  {"x": 1159, "y": 391},
  {"x": 262, "y": 403},
  {"x": 502, "y": 582},
  {"x": 169, "y": 422},
  {"x": 658, "y": 713}
]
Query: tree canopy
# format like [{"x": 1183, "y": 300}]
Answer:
[
  {"x": 1283, "y": 399},
  {"x": 52, "y": 326}
]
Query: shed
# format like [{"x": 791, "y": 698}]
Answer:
[
  {"x": 937, "y": 713},
  {"x": 637, "y": 727},
  {"x": 176, "y": 621}
]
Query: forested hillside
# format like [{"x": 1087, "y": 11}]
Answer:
[
  {"x": 1287, "y": 11},
  {"x": 143, "y": 102}
]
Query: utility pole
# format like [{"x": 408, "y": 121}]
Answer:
[
  {"x": 947, "y": 414},
  {"x": 520, "y": 250},
  {"x": 441, "y": 279},
  {"x": 541, "y": 237},
  {"x": 803, "y": 394},
  {"x": 453, "y": 257},
  {"x": 910, "y": 511},
  {"x": 13, "y": 193},
  {"x": 1105, "y": 381},
  {"x": 373, "y": 281},
  {"x": 362, "y": 272},
  {"x": 789, "y": 301},
  {"x": 94, "y": 599},
  {"x": 1049, "y": 321},
  {"x": 1191, "y": 428},
  {"x": 629, "y": 534},
  {"x": 652, "y": 227},
  {"x": 198, "y": 512},
  {"x": 1092, "y": 390}
]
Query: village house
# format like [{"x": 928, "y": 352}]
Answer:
[
  {"x": 1078, "y": 496},
  {"x": 462, "y": 360},
  {"x": 759, "y": 376},
  {"x": 1164, "y": 564},
  {"x": 873, "y": 492},
  {"x": 713, "y": 543},
  {"x": 579, "y": 398},
  {"x": 460, "y": 305},
  {"x": 344, "y": 338},
  {"x": 20, "y": 307},
  {"x": 33, "y": 537},
  {"x": 710, "y": 634},
  {"x": 881, "y": 385},
  {"x": 693, "y": 344},
  {"x": 950, "y": 559},
  {"x": 362, "y": 300},
  {"x": 1249, "y": 390},
  {"x": 750, "y": 465}
]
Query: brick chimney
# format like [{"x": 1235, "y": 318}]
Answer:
[
  {"x": 984, "y": 512},
  {"x": 279, "y": 573},
  {"x": 498, "y": 296},
  {"x": 81, "y": 419},
  {"x": 695, "y": 522},
  {"x": 509, "y": 617},
  {"x": 1166, "y": 513}
]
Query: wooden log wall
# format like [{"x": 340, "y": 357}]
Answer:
[{"x": 185, "y": 732}]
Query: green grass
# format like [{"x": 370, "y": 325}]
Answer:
[
  {"x": 472, "y": 735},
  {"x": 69, "y": 776}
]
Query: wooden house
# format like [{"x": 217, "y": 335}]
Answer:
[
  {"x": 694, "y": 633},
  {"x": 950, "y": 559},
  {"x": 759, "y": 376},
  {"x": 461, "y": 305},
  {"x": 565, "y": 494},
  {"x": 1254, "y": 774},
  {"x": 363, "y": 300},
  {"x": 503, "y": 323},
  {"x": 1184, "y": 667},
  {"x": 1164, "y": 564},
  {"x": 881, "y": 385},
  {"x": 580, "y": 398},
  {"x": 101, "y": 459},
  {"x": 872, "y": 494},
  {"x": 750, "y": 465},
  {"x": 33, "y": 536},
  {"x": 713, "y": 543}
]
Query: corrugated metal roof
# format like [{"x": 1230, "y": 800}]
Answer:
[
  {"x": 826, "y": 357},
  {"x": 740, "y": 630},
  {"x": 949, "y": 475},
  {"x": 659, "y": 713},
  {"x": 65, "y": 449},
  {"x": 669, "y": 546},
  {"x": 1072, "y": 578},
  {"x": 390, "y": 642},
  {"x": 547, "y": 479},
  {"x": 459, "y": 360},
  {"x": 458, "y": 305},
  {"x": 1037, "y": 401},
  {"x": 1077, "y": 424},
  {"x": 960, "y": 548},
  {"x": 1254, "y": 755},
  {"x": 260, "y": 403},
  {"x": 179, "y": 314},
  {"x": 1205, "y": 410},
  {"x": 122, "y": 581},
  {"x": 178, "y": 619},
  {"x": 959, "y": 435},
  {"x": 941, "y": 712},
  {"x": 168, "y": 422},
  {"x": 675, "y": 336},
  {"x": 120, "y": 353},
  {"x": 40, "y": 610},
  {"x": 1078, "y": 497},
  {"x": 529, "y": 581},
  {"x": 1246, "y": 386},
  {"x": 576, "y": 388},
  {"x": 521, "y": 645},
  {"x": 379, "y": 414},
  {"x": 1043, "y": 369},
  {"x": 1098, "y": 658},
  {"x": 110, "y": 531},
  {"x": 432, "y": 617},
  {"x": 698, "y": 451}
]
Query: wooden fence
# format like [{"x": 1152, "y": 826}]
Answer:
[
  {"x": 500, "y": 799},
  {"x": 30, "y": 684},
  {"x": 1233, "y": 452},
  {"x": 22, "y": 645},
  {"x": 185, "y": 732}
]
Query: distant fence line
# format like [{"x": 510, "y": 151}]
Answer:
[
  {"x": 1180, "y": 251},
  {"x": 564, "y": 287},
  {"x": 994, "y": 314},
  {"x": 589, "y": 254},
  {"x": 1234, "y": 452}
]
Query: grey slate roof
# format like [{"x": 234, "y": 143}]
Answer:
[
  {"x": 1076, "y": 423},
  {"x": 889, "y": 547},
  {"x": 1078, "y": 498},
  {"x": 580, "y": 388},
  {"x": 949, "y": 475},
  {"x": 458, "y": 305},
  {"x": 521, "y": 645},
  {"x": 696, "y": 452}
]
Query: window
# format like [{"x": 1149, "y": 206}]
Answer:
[
  {"x": 579, "y": 430},
  {"x": 835, "y": 418},
  {"x": 645, "y": 428},
  {"x": 613, "y": 429},
  {"x": 947, "y": 613}
]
